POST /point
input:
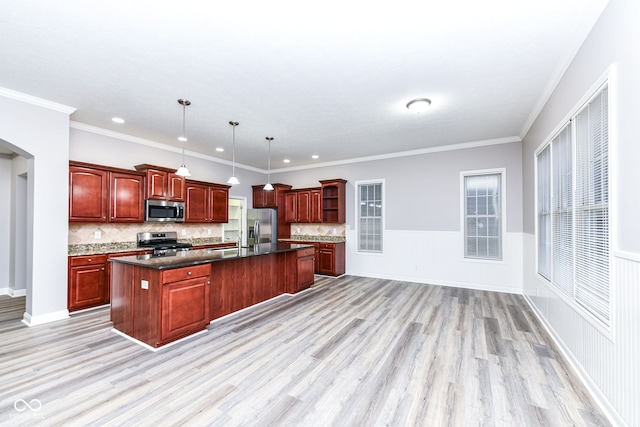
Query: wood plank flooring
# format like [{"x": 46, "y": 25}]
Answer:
[{"x": 350, "y": 352}]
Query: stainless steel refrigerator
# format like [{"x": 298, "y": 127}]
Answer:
[{"x": 262, "y": 226}]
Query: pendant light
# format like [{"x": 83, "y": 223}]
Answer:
[
  {"x": 234, "y": 180},
  {"x": 268, "y": 185},
  {"x": 182, "y": 170}
]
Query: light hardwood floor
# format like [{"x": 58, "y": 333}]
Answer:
[{"x": 349, "y": 352}]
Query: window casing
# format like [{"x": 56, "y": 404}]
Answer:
[
  {"x": 370, "y": 216},
  {"x": 483, "y": 215},
  {"x": 572, "y": 207}
]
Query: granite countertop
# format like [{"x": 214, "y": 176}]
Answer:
[
  {"x": 205, "y": 256},
  {"x": 115, "y": 247},
  {"x": 314, "y": 238}
]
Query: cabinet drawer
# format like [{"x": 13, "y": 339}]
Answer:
[
  {"x": 185, "y": 273},
  {"x": 305, "y": 252},
  {"x": 327, "y": 245},
  {"x": 76, "y": 261}
]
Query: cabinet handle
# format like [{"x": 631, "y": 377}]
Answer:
[
  {"x": 189, "y": 273},
  {"x": 89, "y": 260},
  {"x": 102, "y": 268},
  {"x": 208, "y": 282}
]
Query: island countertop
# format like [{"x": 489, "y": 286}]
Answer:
[{"x": 205, "y": 256}]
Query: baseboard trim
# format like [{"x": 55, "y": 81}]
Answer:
[
  {"x": 30, "y": 320},
  {"x": 473, "y": 286},
  {"x": 606, "y": 407}
]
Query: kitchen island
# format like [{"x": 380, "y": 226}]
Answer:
[{"x": 159, "y": 299}]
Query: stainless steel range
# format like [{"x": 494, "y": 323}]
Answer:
[{"x": 165, "y": 243}]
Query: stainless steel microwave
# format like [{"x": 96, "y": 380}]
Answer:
[{"x": 163, "y": 211}]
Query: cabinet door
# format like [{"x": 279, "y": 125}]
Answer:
[
  {"x": 315, "y": 215},
  {"x": 88, "y": 286},
  {"x": 197, "y": 204},
  {"x": 291, "y": 206},
  {"x": 175, "y": 188},
  {"x": 258, "y": 197},
  {"x": 304, "y": 206},
  {"x": 306, "y": 268},
  {"x": 185, "y": 307},
  {"x": 219, "y": 204},
  {"x": 126, "y": 201},
  {"x": 88, "y": 190},
  {"x": 156, "y": 184},
  {"x": 270, "y": 199},
  {"x": 326, "y": 261}
]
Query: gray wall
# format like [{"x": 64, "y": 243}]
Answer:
[
  {"x": 5, "y": 220},
  {"x": 423, "y": 191}
]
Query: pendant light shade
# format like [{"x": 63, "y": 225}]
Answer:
[
  {"x": 419, "y": 105},
  {"x": 182, "y": 170},
  {"x": 233, "y": 180},
  {"x": 268, "y": 185}
]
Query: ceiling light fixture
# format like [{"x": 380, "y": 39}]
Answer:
[
  {"x": 118, "y": 120},
  {"x": 219, "y": 149},
  {"x": 287, "y": 161},
  {"x": 419, "y": 105},
  {"x": 182, "y": 170},
  {"x": 315, "y": 156},
  {"x": 268, "y": 185},
  {"x": 233, "y": 180}
]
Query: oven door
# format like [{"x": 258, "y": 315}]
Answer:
[{"x": 164, "y": 211}]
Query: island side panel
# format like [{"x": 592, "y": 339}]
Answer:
[
  {"x": 147, "y": 305},
  {"x": 121, "y": 280}
]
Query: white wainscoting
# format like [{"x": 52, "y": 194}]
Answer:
[
  {"x": 436, "y": 257},
  {"x": 609, "y": 367}
]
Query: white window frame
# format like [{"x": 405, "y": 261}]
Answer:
[
  {"x": 503, "y": 211},
  {"x": 606, "y": 329},
  {"x": 357, "y": 216}
]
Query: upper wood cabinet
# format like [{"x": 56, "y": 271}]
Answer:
[
  {"x": 88, "y": 194},
  {"x": 333, "y": 201},
  {"x": 103, "y": 194},
  {"x": 162, "y": 183},
  {"x": 303, "y": 205},
  {"x": 206, "y": 202},
  {"x": 126, "y": 201}
]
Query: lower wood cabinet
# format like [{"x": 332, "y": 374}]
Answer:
[
  {"x": 305, "y": 269},
  {"x": 185, "y": 302},
  {"x": 329, "y": 257},
  {"x": 88, "y": 282}
]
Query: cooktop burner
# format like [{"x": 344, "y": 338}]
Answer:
[{"x": 159, "y": 242}]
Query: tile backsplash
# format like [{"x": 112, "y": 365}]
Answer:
[
  {"x": 110, "y": 233},
  {"x": 318, "y": 230}
]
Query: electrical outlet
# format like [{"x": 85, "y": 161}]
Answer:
[
  {"x": 334, "y": 231},
  {"x": 97, "y": 234},
  {"x": 144, "y": 284},
  {"x": 208, "y": 231},
  {"x": 184, "y": 232},
  {"x": 298, "y": 230}
]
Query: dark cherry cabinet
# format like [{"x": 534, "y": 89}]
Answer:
[
  {"x": 103, "y": 194},
  {"x": 126, "y": 200},
  {"x": 303, "y": 205},
  {"x": 88, "y": 282},
  {"x": 206, "y": 202},
  {"x": 331, "y": 259},
  {"x": 162, "y": 183},
  {"x": 88, "y": 194},
  {"x": 305, "y": 269},
  {"x": 185, "y": 302},
  {"x": 334, "y": 201}
]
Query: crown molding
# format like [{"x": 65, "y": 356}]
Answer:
[
  {"x": 39, "y": 102},
  {"x": 439, "y": 149}
]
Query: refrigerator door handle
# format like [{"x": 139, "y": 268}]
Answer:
[{"x": 256, "y": 232}]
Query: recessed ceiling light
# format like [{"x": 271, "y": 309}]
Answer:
[
  {"x": 315, "y": 156},
  {"x": 182, "y": 139},
  {"x": 287, "y": 160},
  {"x": 117, "y": 120},
  {"x": 219, "y": 149}
]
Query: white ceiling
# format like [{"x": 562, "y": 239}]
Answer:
[{"x": 330, "y": 78}]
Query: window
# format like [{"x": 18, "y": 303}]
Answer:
[
  {"x": 370, "y": 217},
  {"x": 483, "y": 215},
  {"x": 573, "y": 209}
]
